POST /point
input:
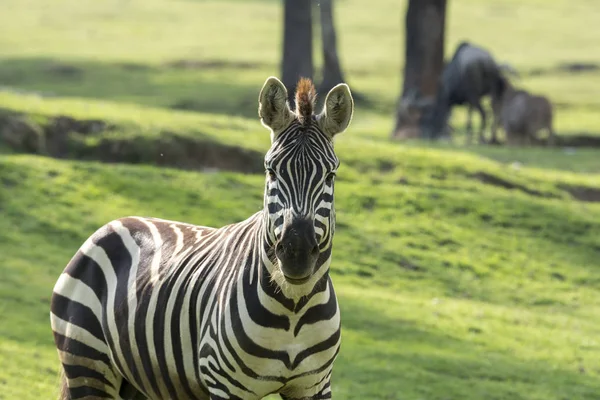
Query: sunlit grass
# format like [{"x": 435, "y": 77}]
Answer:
[
  {"x": 450, "y": 287},
  {"x": 447, "y": 285},
  {"x": 124, "y": 50}
]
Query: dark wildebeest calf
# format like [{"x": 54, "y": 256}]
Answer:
[
  {"x": 471, "y": 74},
  {"x": 521, "y": 114}
]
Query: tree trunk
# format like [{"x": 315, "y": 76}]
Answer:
[
  {"x": 332, "y": 72},
  {"x": 424, "y": 62},
  {"x": 297, "y": 44}
]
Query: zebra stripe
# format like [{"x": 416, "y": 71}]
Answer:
[{"x": 157, "y": 309}]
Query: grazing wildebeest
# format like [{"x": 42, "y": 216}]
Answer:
[
  {"x": 471, "y": 74},
  {"x": 521, "y": 114}
]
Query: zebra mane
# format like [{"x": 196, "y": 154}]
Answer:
[{"x": 306, "y": 96}]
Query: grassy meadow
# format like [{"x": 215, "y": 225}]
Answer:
[{"x": 462, "y": 272}]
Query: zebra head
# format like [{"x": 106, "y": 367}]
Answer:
[{"x": 300, "y": 170}]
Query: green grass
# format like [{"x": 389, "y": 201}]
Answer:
[
  {"x": 451, "y": 287},
  {"x": 123, "y": 50}
]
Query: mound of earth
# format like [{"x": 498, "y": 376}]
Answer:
[{"x": 66, "y": 137}]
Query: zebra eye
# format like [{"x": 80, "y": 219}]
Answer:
[
  {"x": 271, "y": 173},
  {"x": 329, "y": 178}
]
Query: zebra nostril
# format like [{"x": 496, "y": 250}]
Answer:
[{"x": 279, "y": 250}]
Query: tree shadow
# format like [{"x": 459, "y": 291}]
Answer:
[
  {"x": 206, "y": 86},
  {"x": 201, "y": 85}
]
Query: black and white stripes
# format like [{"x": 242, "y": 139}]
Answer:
[{"x": 157, "y": 309}]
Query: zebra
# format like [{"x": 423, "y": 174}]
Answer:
[{"x": 156, "y": 309}]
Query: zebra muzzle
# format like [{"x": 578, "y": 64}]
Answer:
[{"x": 298, "y": 251}]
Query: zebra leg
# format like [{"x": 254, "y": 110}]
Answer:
[
  {"x": 324, "y": 394},
  {"x": 220, "y": 394},
  {"x": 217, "y": 390},
  {"x": 83, "y": 382},
  {"x": 94, "y": 388},
  {"x": 323, "y": 389},
  {"x": 129, "y": 392},
  {"x": 86, "y": 361}
]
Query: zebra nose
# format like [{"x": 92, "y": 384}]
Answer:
[
  {"x": 298, "y": 249},
  {"x": 282, "y": 250}
]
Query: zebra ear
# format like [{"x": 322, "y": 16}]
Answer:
[
  {"x": 273, "y": 108},
  {"x": 337, "y": 111}
]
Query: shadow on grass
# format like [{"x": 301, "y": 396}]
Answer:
[
  {"x": 207, "y": 86},
  {"x": 389, "y": 358}
]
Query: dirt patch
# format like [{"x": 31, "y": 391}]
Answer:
[
  {"x": 211, "y": 64},
  {"x": 499, "y": 182},
  {"x": 84, "y": 127},
  {"x": 173, "y": 150},
  {"x": 65, "y": 137},
  {"x": 583, "y": 193},
  {"x": 57, "y": 133},
  {"x": 22, "y": 134}
]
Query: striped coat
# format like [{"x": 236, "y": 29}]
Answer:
[{"x": 157, "y": 309}]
